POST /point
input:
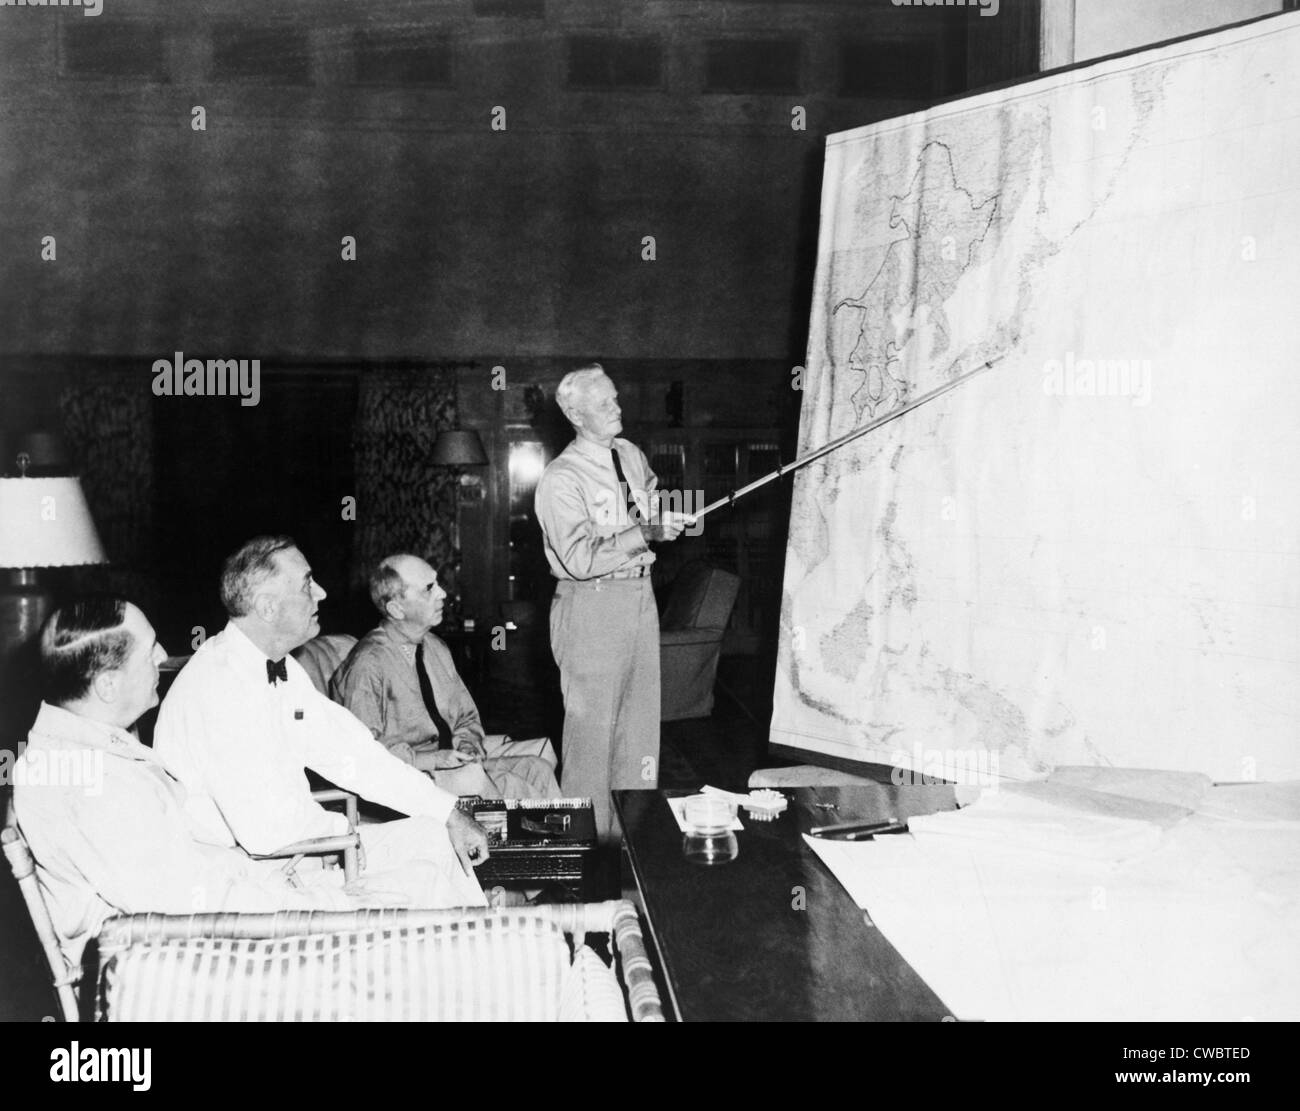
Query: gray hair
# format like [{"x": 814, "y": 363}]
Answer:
[
  {"x": 573, "y": 387},
  {"x": 79, "y": 642},
  {"x": 248, "y": 568},
  {"x": 386, "y": 584}
]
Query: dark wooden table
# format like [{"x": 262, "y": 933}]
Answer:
[{"x": 772, "y": 935}]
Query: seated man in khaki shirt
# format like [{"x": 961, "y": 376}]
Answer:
[{"x": 400, "y": 680}]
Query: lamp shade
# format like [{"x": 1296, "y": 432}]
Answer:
[
  {"x": 44, "y": 522},
  {"x": 459, "y": 448}
]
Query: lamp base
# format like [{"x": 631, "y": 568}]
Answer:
[{"x": 24, "y": 606}]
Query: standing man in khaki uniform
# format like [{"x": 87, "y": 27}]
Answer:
[{"x": 594, "y": 503}]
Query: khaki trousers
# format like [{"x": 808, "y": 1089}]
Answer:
[
  {"x": 605, "y": 637},
  {"x": 511, "y": 770}
]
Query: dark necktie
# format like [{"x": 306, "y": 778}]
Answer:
[
  {"x": 634, "y": 514},
  {"x": 275, "y": 669},
  {"x": 426, "y": 692}
]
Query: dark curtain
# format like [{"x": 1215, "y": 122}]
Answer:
[
  {"x": 404, "y": 502},
  {"x": 175, "y": 484},
  {"x": 228, "y": 472},
  {"x": 109, "y": 435}
]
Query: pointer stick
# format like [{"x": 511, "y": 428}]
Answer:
[{"x": 848, "y": 437}]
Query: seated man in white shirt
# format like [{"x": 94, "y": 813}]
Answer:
[
  {"x": 400, "y": 680},
  {"x": 105, "y": 820},
  {"x": 242, "y": 721}
]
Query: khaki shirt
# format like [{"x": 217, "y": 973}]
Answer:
[
  {"x": 583, "y": 512},
  {"x": 379, "y": 684}
]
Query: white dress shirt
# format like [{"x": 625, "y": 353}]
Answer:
[
  {"x": 240, "y": 745},
  {"x": 115, "y": 837}
]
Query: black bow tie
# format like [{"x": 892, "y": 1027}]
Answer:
[{"x": 276, "y": 670}]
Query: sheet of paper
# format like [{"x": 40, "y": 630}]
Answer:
[
  {"x": 1201, "y": 926},
  {"x": 1069, "y": 823}
]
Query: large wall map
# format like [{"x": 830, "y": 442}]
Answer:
[{"x": 1089, "y": 553}]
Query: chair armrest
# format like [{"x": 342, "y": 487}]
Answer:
[
  {"x": 335, "y": 795},
  {"x": 313, "y": 846},
  {"x": 349, "y": 844}
]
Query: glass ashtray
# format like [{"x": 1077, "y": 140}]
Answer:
[{"x": 708, "y": 814}]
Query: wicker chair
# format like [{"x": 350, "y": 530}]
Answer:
[
  {"x": 347, "y": 847},
  {"x": 444, "y": 965},
  {"x": 65, "y": 976},
  {"x": 458, "y": 964}
]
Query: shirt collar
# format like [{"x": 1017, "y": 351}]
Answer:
[
  {"x": 247, "y": 656},
  {"x": 242, "y": 646},
  {"x": 386, "y": 631},
  {"x": 388, "y": 636},
  {"x": 583, "y": 446},
  {"x": 57, "y": 726}
]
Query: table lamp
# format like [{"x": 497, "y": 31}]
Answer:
[
  {"x": 459, "y": 447},
  {"x": 44, "y": 522}
]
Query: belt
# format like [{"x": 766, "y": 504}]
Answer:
[{"x": 626, "y": 573}]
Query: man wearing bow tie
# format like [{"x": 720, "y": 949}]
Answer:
[
  {"x": 242, "y": 721},
  {"x": 594, "y": 503}
]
